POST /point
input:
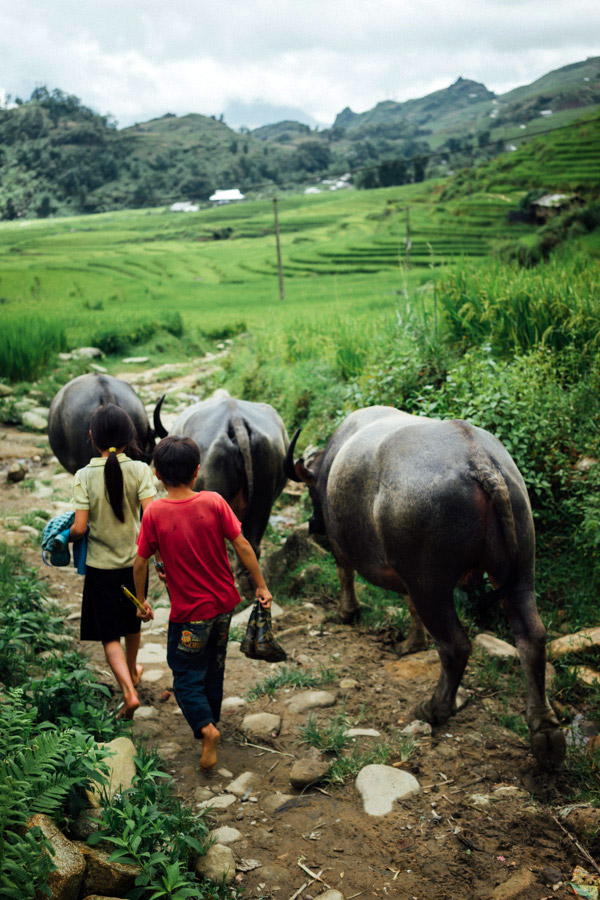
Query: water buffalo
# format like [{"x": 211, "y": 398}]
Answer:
[
  {"x": 416, "y": 505},
  {"x": 242, "y": 449},
  {"x": 72, "y": 408}
]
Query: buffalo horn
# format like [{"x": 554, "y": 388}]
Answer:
[
  {"x": 159, "y": 428},
  {"x": 288, "y": 466}
]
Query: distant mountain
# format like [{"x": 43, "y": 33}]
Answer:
[
  {"x": 58, "y": 156},
  {"x": 255, "y": 115}
]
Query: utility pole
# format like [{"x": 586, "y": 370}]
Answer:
[
  {"x": 279, "y": 265},
  {"x": 407, "y": 238}
]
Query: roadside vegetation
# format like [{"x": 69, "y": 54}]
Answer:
[{"x": 53, "y": 712}]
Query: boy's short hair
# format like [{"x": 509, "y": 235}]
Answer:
[{"x": 175, "y": 459}]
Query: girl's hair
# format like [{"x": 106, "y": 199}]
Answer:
[{"x": 112, "y": 428}]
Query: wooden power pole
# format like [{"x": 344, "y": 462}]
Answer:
[{"x": 279, "y": 265}]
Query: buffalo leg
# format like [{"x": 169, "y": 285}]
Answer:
[
  {"x": 416, "y": 639},
  {"x": 349, "y": 609},
  {"x": 547, "y": 740},
  {"x": 437, "y": 613}
]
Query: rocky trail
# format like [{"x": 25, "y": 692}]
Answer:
[{"x": 457, "y": 812}]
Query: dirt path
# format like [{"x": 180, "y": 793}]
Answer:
[{"x": 481, "y": 824}]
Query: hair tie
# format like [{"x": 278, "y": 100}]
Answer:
[{"x": 112, "y": 449}]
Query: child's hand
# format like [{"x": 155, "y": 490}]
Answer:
[
  {"x": 149, "y": 614},
  {"x": 264, "y": 597}
]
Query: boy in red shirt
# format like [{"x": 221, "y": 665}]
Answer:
[{"x": 188, "y": 529}]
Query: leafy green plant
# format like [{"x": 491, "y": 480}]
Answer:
[
  {"x": 288, "y": 676},
  {"x": 349, "y": 765},
  {"x": 41, "y": 768},
  {"x": 330, "y": 737},
  {"x": 150, "y": 829}
]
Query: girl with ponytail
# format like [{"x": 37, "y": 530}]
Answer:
[{"x": 108, "y": 495}]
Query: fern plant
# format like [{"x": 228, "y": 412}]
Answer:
[{"x": 40, "y": 767}]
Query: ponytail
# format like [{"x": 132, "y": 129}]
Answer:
[
  {"x": 113, "y": 483},
  {"x": 111, "y": 427}
]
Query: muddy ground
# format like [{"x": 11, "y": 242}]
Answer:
[{"x": 460, "y": 836}]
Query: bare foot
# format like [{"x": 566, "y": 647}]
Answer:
[
  {"x": 135, "y": 676},
  {"x": 210, "y": 740},
  {"x": 129, "y": 706}
]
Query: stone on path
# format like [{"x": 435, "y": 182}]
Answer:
[
  {"x": 570, "y": 643},
  {"x": 587, "y": 675},
  {"x": 233, "y": 650},
  {"x": 226, "y": 835},
  {"x": 136, "y": 359},
  {"x": 347, "y": 684},
  {"x": 5, "y": 390},
  {"x": 233, "y": 703},
  {"x": 240, "y": 620},
  {"x": 418, "y": 729},
  {"x": 225, "y": 773},
  {"x": 272, "y": 802},
  {"x": 262, "y": 725},
  {"x": 514, "y": 887},
  {"x": 362, "y": 732},
  {"x": 87, "y": 352},
  {"x": 308, "y": 771},
  {"x": 146, "y": 712},
  {"x": 217, "y": 864},
  {"x": 150, "y": 675},
  {"x": 16, "y": 472},
  {"x": 221, "y": 801},
  {"x": 379, "y": 786},
  {"x": 242, "y": 783},
  {"x": 462, "y": 698},
  {"x": 34, "y": 420},
  {"x": 169, "y": 749},
  {"x": 111, "y": 879},
  {"x": 330, "y": 895},
  {"x": 121, "y": 768},
  {"x": 494, "y": 647},
  {"x": 152, "y": 653},
  {"x": 311, "y": 700},
  {"x": 65, "y": 880}
]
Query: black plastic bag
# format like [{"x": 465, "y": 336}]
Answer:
[{"x": 259, "y": 642}]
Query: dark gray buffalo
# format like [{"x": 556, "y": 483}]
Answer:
[
  {"x": 71, "y": 411},
  {"x": 416, "y": 506},
  {"x": 242, "y": 450}
]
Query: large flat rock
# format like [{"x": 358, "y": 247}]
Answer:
[
  {"x": 422, "y": 666},
  {"x": 262, "y": 725},
  {"x": 494, "y": 647},
  {"x": 379, "y": 786},
  {"x": 65, "y": 880},
  {"x": 121, "y": 768},
  {"x": 152, "y": 653},
  {"x": 571, "y": 643},
  {"x": 311, "y": 700}
]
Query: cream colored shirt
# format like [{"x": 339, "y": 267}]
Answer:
[{"x": 112, "y": 544}]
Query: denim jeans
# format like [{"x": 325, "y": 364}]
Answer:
[{"x": 196, "y": 655}]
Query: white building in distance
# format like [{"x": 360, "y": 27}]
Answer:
[{"x": 226, "y": 196}]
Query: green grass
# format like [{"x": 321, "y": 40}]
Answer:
[{"x": 287, "y": 676}]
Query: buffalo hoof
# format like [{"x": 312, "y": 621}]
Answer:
[
  {"x": 428, "y": 711},
  {"x": 410, "y": 645},
  {"x": 549, "y": 747},
  {"x": 350, "y": 617}
]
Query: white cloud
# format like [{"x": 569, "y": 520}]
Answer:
[{"x": 141, "y": 58}]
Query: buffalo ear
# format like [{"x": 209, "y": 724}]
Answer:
[{"x": 304, "y": 474}]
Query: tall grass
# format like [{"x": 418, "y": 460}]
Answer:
[
  {"x": 27, "y": 343},
  {"x": 556, "y": 306}
]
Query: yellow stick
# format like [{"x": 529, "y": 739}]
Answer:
[{"x": 133, "y": 598}]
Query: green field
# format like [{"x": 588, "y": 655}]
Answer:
[{"x": 342, "y": 251}]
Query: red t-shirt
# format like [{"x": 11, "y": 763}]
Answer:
[{"x": 190, "y": 535}]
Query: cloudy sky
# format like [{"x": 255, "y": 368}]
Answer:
[{"x": 137, "y": 59}]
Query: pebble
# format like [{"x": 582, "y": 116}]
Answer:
[
  {"x": 242, "y": 783},
  {"x": 311, "y": 700},
  {"x": 16, "y": 472},
  {"x": 494, "y": 647},
  {"x": 379, "y": 786},
  {"x": 330, "y": 895},
  {"x": 418, "y": 728},
  {"x": 146, "y": 712},
  {"x": 29, "y": 529},
  {"x": 225, "y": 773},
  {"x": 362, "y": 732},
  {"x": 226, "y": 835},
  {"x": 218, "y": 864},
  {"x": 169, "y": 749},
  {"x": 347, "y": 684},
  {"x": 203, "y": 793},
  {"x": 233, "y": 703},
  {"x": 308, "y": 771},
  {"x": 151, "y": 675},
  {"x": 136, "y": 359},
  {"x": 262, "y": 725},
  {"x": 272, "y": 802},
  {"x": 222, "y": 801},
  {"x": 34, "y": 420}
]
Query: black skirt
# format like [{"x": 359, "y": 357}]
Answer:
[{"x": 106, "y": 615}]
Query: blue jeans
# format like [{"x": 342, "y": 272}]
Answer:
[{"x": 196, "y": 655}]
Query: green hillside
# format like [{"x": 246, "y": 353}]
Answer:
[{"x": 59, "y": 157}]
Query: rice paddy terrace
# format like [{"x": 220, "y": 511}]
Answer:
[{"x": 220, "y": 265}]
